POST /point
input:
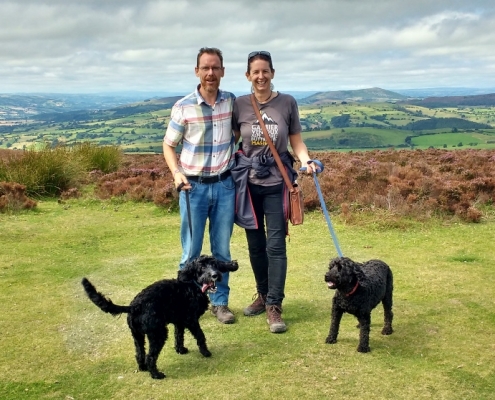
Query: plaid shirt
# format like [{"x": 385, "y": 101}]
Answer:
[{"x": 205, "y": 132}]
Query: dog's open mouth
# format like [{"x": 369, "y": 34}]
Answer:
[
  {"x": 211, "y": 287},
  {"x": 331, "y": 285}
]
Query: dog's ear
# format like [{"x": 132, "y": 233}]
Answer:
[
  {"x": 189, "y": 272},
  {"x": 227, "y": 266},
  {"x": 359, "y": 273},
  {"x": 335, "y": 262},
  {"x": 203, "y": 260}
]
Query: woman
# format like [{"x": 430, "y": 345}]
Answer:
[{"x": 263, "y": 182}]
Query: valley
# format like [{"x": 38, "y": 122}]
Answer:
[{"x": 343, "y": 121}]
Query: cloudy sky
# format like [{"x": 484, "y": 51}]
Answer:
[{"x": 96, "y": 46}]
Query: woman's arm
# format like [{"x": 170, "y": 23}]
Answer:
[{"x": 301, "y": 151}]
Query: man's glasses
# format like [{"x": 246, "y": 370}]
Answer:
[
  {"x": 207, "y": 69},
  {"x": 259, "y": 53}
]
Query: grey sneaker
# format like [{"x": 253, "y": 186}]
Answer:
[
  {"x": 223, "y": 314},
  {"x": 274, "y": 314},
  {"x": 258, "y": 305}
]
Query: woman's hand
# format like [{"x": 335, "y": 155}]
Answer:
[{"x": 312, "y": 166}]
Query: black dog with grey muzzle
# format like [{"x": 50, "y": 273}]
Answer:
[{"x": 359, "y": 288}]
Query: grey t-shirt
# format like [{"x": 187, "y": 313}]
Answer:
[{"x": 281, "y": 117}]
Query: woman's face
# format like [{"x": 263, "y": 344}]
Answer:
[{"x": 260, "y": 75}]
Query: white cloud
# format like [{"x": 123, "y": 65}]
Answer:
[{"x": 72, "y": 46}]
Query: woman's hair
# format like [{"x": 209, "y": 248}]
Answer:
[
  {"x": 260, "y": 55},
  {"x": 209, "y": 50}
]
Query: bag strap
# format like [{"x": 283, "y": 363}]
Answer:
[{"x": 280, "y": 165}]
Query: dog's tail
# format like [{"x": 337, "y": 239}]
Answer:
[{"x": 104, "y": 303}]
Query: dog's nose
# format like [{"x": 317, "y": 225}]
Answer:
[{"x": 214, "y": 276}]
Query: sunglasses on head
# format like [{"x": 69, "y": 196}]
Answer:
[{"x": 259, "y": 53}]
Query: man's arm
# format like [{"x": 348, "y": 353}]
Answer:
[{"x": 171, "y": 160}]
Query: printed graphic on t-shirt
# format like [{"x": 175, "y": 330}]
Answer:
[{"x": 257, "y": 137}]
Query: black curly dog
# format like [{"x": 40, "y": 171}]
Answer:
[
  {"x": 359, "y": 289},
  {"x": 180, "y": 301}
]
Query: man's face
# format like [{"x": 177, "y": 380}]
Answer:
[{"x": 209, "y": 72}]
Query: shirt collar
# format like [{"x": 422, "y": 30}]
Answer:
[{"x": 220, "y": 96}]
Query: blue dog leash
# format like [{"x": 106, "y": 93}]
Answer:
[{"x": 322, "y": 202}]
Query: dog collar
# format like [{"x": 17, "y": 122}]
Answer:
[
  {"x": 197, "y": 284},
  {"x": 353, "y": 290}
]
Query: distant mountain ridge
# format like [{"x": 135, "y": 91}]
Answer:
[
  {"x": 444, "y": 91},
  {"x": 381, "y": 95},
  {"x": 24, "y": 106},
  {"x": 67, "y": 107},
  {"x": 360, "y": 95},
  {"x": 455, "y": 101}
]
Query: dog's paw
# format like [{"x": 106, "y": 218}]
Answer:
[
  {"x": 158, "y": 375},
  {"x": 205, "y": 352},
  {"x": 330, "y": 340},
  {"x": 363, "y": 349},
  {"x": 387, "y": 330},
  {"x": 182, "y": 350}
]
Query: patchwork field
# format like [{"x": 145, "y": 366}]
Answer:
[{"x": 337, "y": 126}]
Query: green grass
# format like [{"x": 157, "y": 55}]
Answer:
[
  {"x": 55, "y": 344},
  {"x": 354, "y": 138},
  {"x": 49, "y": 171},
  {"x": 445, "y": 138},
  {"x": 452, "y": 139}
]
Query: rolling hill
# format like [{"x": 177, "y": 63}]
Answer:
[
  {"x": 361, "y": 95},
  {"x": 454, "y": 101}
]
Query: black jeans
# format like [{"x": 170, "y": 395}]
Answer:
[{"x": 267, "y": 249}]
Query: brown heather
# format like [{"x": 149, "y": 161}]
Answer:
[
  {"x": 140, "y": 178},
  {"x": 13, "y": 197},
  {"x": 409, "y": 183},
  {"x": 417, "y": 184}
]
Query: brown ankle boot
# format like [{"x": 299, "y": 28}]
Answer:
[
  {"x": 223, "y": 314},
  {"x": 258, "y": 305},
  {"x": 274, "y": 319}
]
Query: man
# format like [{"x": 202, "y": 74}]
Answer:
[{"x": 201, "y": 121}]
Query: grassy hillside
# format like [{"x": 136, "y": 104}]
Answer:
[{"x": 56, "y": 344}]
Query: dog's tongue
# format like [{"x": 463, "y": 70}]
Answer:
[
  {"x": 205, "y": 287},
  {"x": 330, "y": 285}
]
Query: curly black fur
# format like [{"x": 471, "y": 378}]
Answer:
[
  {"x": 180, "y": 302},
  {"x": 359, "y": 289}
]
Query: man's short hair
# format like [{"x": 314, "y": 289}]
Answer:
[{"x": 212, "y": 51}]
